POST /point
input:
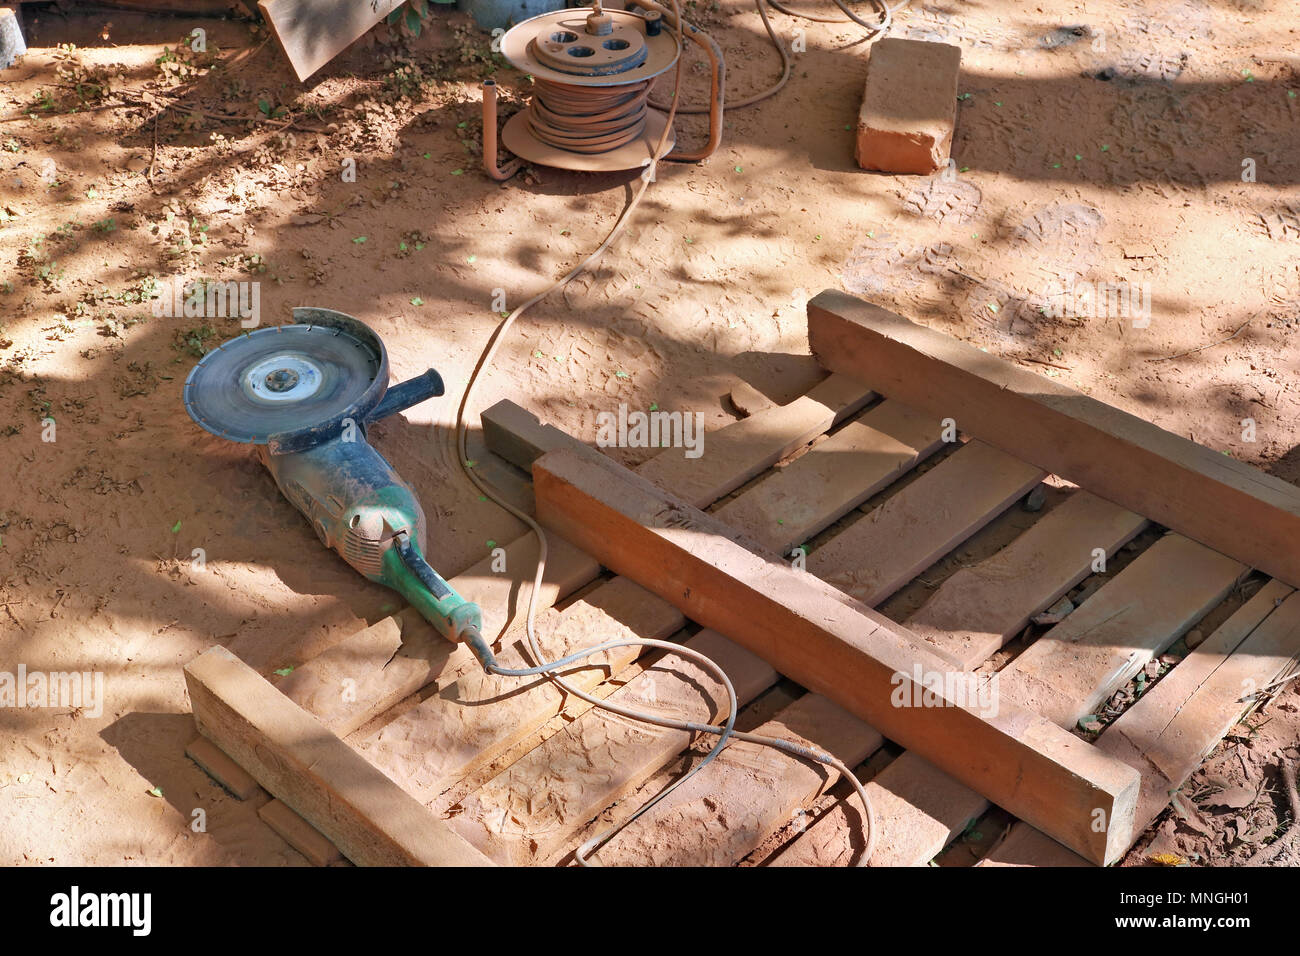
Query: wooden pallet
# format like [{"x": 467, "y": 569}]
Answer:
[{"x": 397, "y": 749}]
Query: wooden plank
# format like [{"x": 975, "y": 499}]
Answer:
[
  {"x": 1133, "y": 617},
  {"x": 221, "y": 768},
  {"x": 313, "y": 32},
  {"x": 1212, "y": 498},
  {"x": 1179, "y": 721},
  {"x": 480, "y": 716},
  {"x": 370, "y": 671},
  {"x": 294, "y": 756},
  {"x": 978, "y": 609},
  {"x": 754, "y": 444},
  {"x": 1077, "y": 665},
  {"x": 827, "y": 483},
  {"x": 917, "y": 808},
  {"x": 748, "y": 792},
  {"x": 529, "y": 812},
  {"x": 299, "y": 834},
  {"x": 1174, "y": 726},
  {"x": 833, "y": 646},
  {"x": 914, "y": 528},
  {"x": 1025, "y": 846},
  {"x": 733, "y": 455}
]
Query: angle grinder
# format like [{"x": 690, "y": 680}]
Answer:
[{"x": 304, "y": 395}]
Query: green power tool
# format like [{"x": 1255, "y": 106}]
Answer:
[{"x": 304, "y": 394}]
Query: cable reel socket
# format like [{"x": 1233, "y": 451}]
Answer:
[{"x": 603, "y": 51}]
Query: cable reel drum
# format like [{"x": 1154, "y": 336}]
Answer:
[{"x": 592, "y": 70}]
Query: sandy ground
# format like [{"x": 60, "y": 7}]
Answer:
[{"x": 1098, "y": 142}]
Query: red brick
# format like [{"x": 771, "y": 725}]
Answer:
[{"x": 909, "y": 106}]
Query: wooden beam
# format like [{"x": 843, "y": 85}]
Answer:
[
  {"x": 836, "y": 647},
  {"x": 1223, "y": 503},
  {"x": 372, "y": 820}
]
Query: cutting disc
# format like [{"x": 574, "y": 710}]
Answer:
[{"x": 285, "y": 379}]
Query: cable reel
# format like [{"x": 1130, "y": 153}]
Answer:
[{"x": 592, "y": 71}]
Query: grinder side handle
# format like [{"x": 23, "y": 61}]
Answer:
[{"x": 411, "y": 392}]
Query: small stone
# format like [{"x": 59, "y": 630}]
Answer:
[
  {"x": 1035, "y": 499},
  {"x": 1194, "y": 638},
  {"x": 1055, "y": 614}
]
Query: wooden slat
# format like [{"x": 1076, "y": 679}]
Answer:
[
  {"x": 759, "y": 442},
  {"x": 917, "y": 807},
  {"x": 480, "y": 716},
  {"x": 1212, "y": 498},
  {"x": 368, "y": 672},
  {"x": 1133, "y": 617},
  {"x": 732, "y": 455},
  {"x": 748, "y": 792},
  {"x": 360, "y": 677},
  {"x": 833, "y": 646},
  {"x": 1175, "y": 725},
  {"x": 827, "y": 483},
  {"x": 1183, "y": 718},
  {"x": 529, "y": 812},
  {"x": 294, "y": 756},
  {"x": 298, "y": 833},
  {"x": 313, "y": 32},
  {"x": 221, "y": 768},
  {"x": 1025, "y": 846},
  {"x": 978, "y": 609},
  {"x": 1077, "y": 665},
  {"x": 914, "y": 528}
]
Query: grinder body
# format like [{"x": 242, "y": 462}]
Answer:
[{"x": 362, "y": 510}]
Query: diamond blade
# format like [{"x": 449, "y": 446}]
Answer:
[{"x": 280, "y": 379}]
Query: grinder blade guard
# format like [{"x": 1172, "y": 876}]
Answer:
[{"x": 305, "y": 394}]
